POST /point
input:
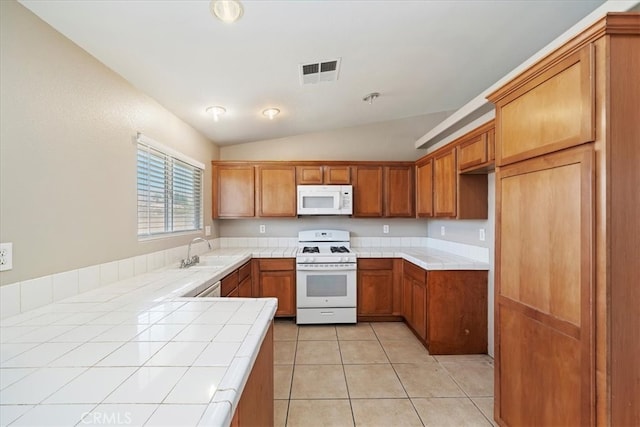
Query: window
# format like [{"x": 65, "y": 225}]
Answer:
[{"x": 169, "y": 190}]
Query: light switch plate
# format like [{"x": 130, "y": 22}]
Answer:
[
  {"x": 207, "y": 230},
  {"x": 6, "y": 256},
  {"x": 482, "y": 235}
]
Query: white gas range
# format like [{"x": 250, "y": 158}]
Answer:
[{"x": 325, "y": 278}]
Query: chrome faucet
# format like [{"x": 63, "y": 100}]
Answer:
[{"x": 189, "y": 261}]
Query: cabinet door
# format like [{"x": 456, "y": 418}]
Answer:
[
  {"x": 424, "y": 190},
  {"x": 276, "y": 186},
  {"x": 553, "y": 111},
  {"x": 309, "y": 175},
  {"x": 457, "y": 312},
  {"x": 277, "y": 278},
  {"x": 367, "y": 191},
  {"x": 445, "y": 182},
  {"x": 472, "y": 153},
  {"x": 229, "y": 284},
  {"x": 399, "y": 195},
  {"x": 419, "y": 308},
  {"x": 233, "y": 191},
  {"x": 337, "y": 175},
  {"x": 375, "y": 287},
  {"x": 544, "y": 290},
  {"x": 244, "y": 288}
]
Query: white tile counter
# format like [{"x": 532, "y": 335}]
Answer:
[
  {"x": 137, "y": 352},
  {"x": 427, "y": 258},
  {"x": 134, "y": 352}
]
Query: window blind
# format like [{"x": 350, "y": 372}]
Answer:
[{"x": 169, "y": 191}]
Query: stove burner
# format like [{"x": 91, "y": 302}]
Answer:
[
  {"x": 340, "y": 249},
  {"x": 310, "y": 250}
]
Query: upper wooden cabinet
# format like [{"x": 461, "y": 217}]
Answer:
[
  {"x": 383, "y": 191},
  {"x": 398, "y": 191},
  {"x": 276, "y": 190},
  {"x": 367, "y": 191},
  {"x": 445, "y": 176},
  {"x": 318, "y": 174},
  {"x": 552, "y": 111},
  {"x": 233, "y": 191},
  {"x": 424, "y": 188},
  {"x": 452, "y": 182}
]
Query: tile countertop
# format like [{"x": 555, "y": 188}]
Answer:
[
  {"x": 134, "y": 352},
  {"x": 137, "y": 352}
]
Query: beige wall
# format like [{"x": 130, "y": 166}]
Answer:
[
  {"x": 391, "y": 140},
  {"x": 67, "y": 152}
]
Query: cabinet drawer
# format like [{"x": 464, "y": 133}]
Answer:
[
  {"x": 244, "y": 271},
  {"x": 414, "y": 271},
  {"x": 375, "y": 263},
  {"x": 277, "y": 264},
  {"x": 229, "y": 283},
  {"x": 552, "y": 111}
]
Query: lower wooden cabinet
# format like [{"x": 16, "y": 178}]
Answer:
[
  {"x": 379, "y": 290},
  {"x": 237, "y": 283},
  {"x": 256, "y": 405},
  {"x": 276, "y": 277},
  {"x": 414, "y": 290},
  {"x": 447, "y": 309},
  {"x": 457, "y": 312}
]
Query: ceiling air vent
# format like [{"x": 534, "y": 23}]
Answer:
[{"x": 325, "y": 71}]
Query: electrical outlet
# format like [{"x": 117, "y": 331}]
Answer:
[
  {"x": 385, "y": 229},
  {"x": 6, "y": 256},
  {"x": 263, "y": 229},
  {"x": 482, "y": 236},
  {"x": 207, "y": 230},
  {"x": 442, "y": 230}
]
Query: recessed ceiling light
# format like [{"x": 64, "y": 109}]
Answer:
[
  {"x": 228, "y": 11},
  {"x": 216, "y": 112},
  {"x": 271, "y": 113}
]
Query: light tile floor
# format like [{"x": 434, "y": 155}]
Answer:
[{"x": 375, "y": 374}]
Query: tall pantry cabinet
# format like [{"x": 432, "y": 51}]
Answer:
[{"x": 568, "y": 233}]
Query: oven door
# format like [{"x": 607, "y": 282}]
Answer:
[{"x": 319, "y": 287}]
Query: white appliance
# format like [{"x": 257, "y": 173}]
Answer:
[
  {"x": 325, "y": 278},
  {"x": 325, "y": 200}
]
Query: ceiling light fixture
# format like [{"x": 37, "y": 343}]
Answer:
[
  {"x": 369, "y": 98},
  {"x": 228, "y": 11},
  {"x": 216, "y": 112},
  {"x": 271, "y": 113}
]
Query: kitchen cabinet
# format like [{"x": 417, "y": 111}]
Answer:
[
  {"x": 424, "y": 188},
  {"x": 323, "y": 175},
  {"x": 445, "y": 182},
  {"x": 237, "y": 283},
  {"x": 414, "y": 288},
  {"x": 452, "y": 182},
  {"x": 229, "y": 285},
  {"x": 457, "y": 312},
  {"x": 383, "y": 190},
  {"x": 256, "y": 405},
  {"x": 379, "y": 289},
  {"x": 276, "y": 190},
  {"x": 276, "y": 277},
  {"x": 233, "y": 191},
  {"x": 367, "y": 191},
  {"x": 245, "y": 282},
  {"x": 398, "y": 191},
  {"x": 567, "y": 235}
]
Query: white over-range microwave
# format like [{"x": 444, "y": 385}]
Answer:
[{"x": 325, "y": 200}]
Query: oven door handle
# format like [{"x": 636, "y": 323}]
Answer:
[{"x": 310, "y": 267}]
